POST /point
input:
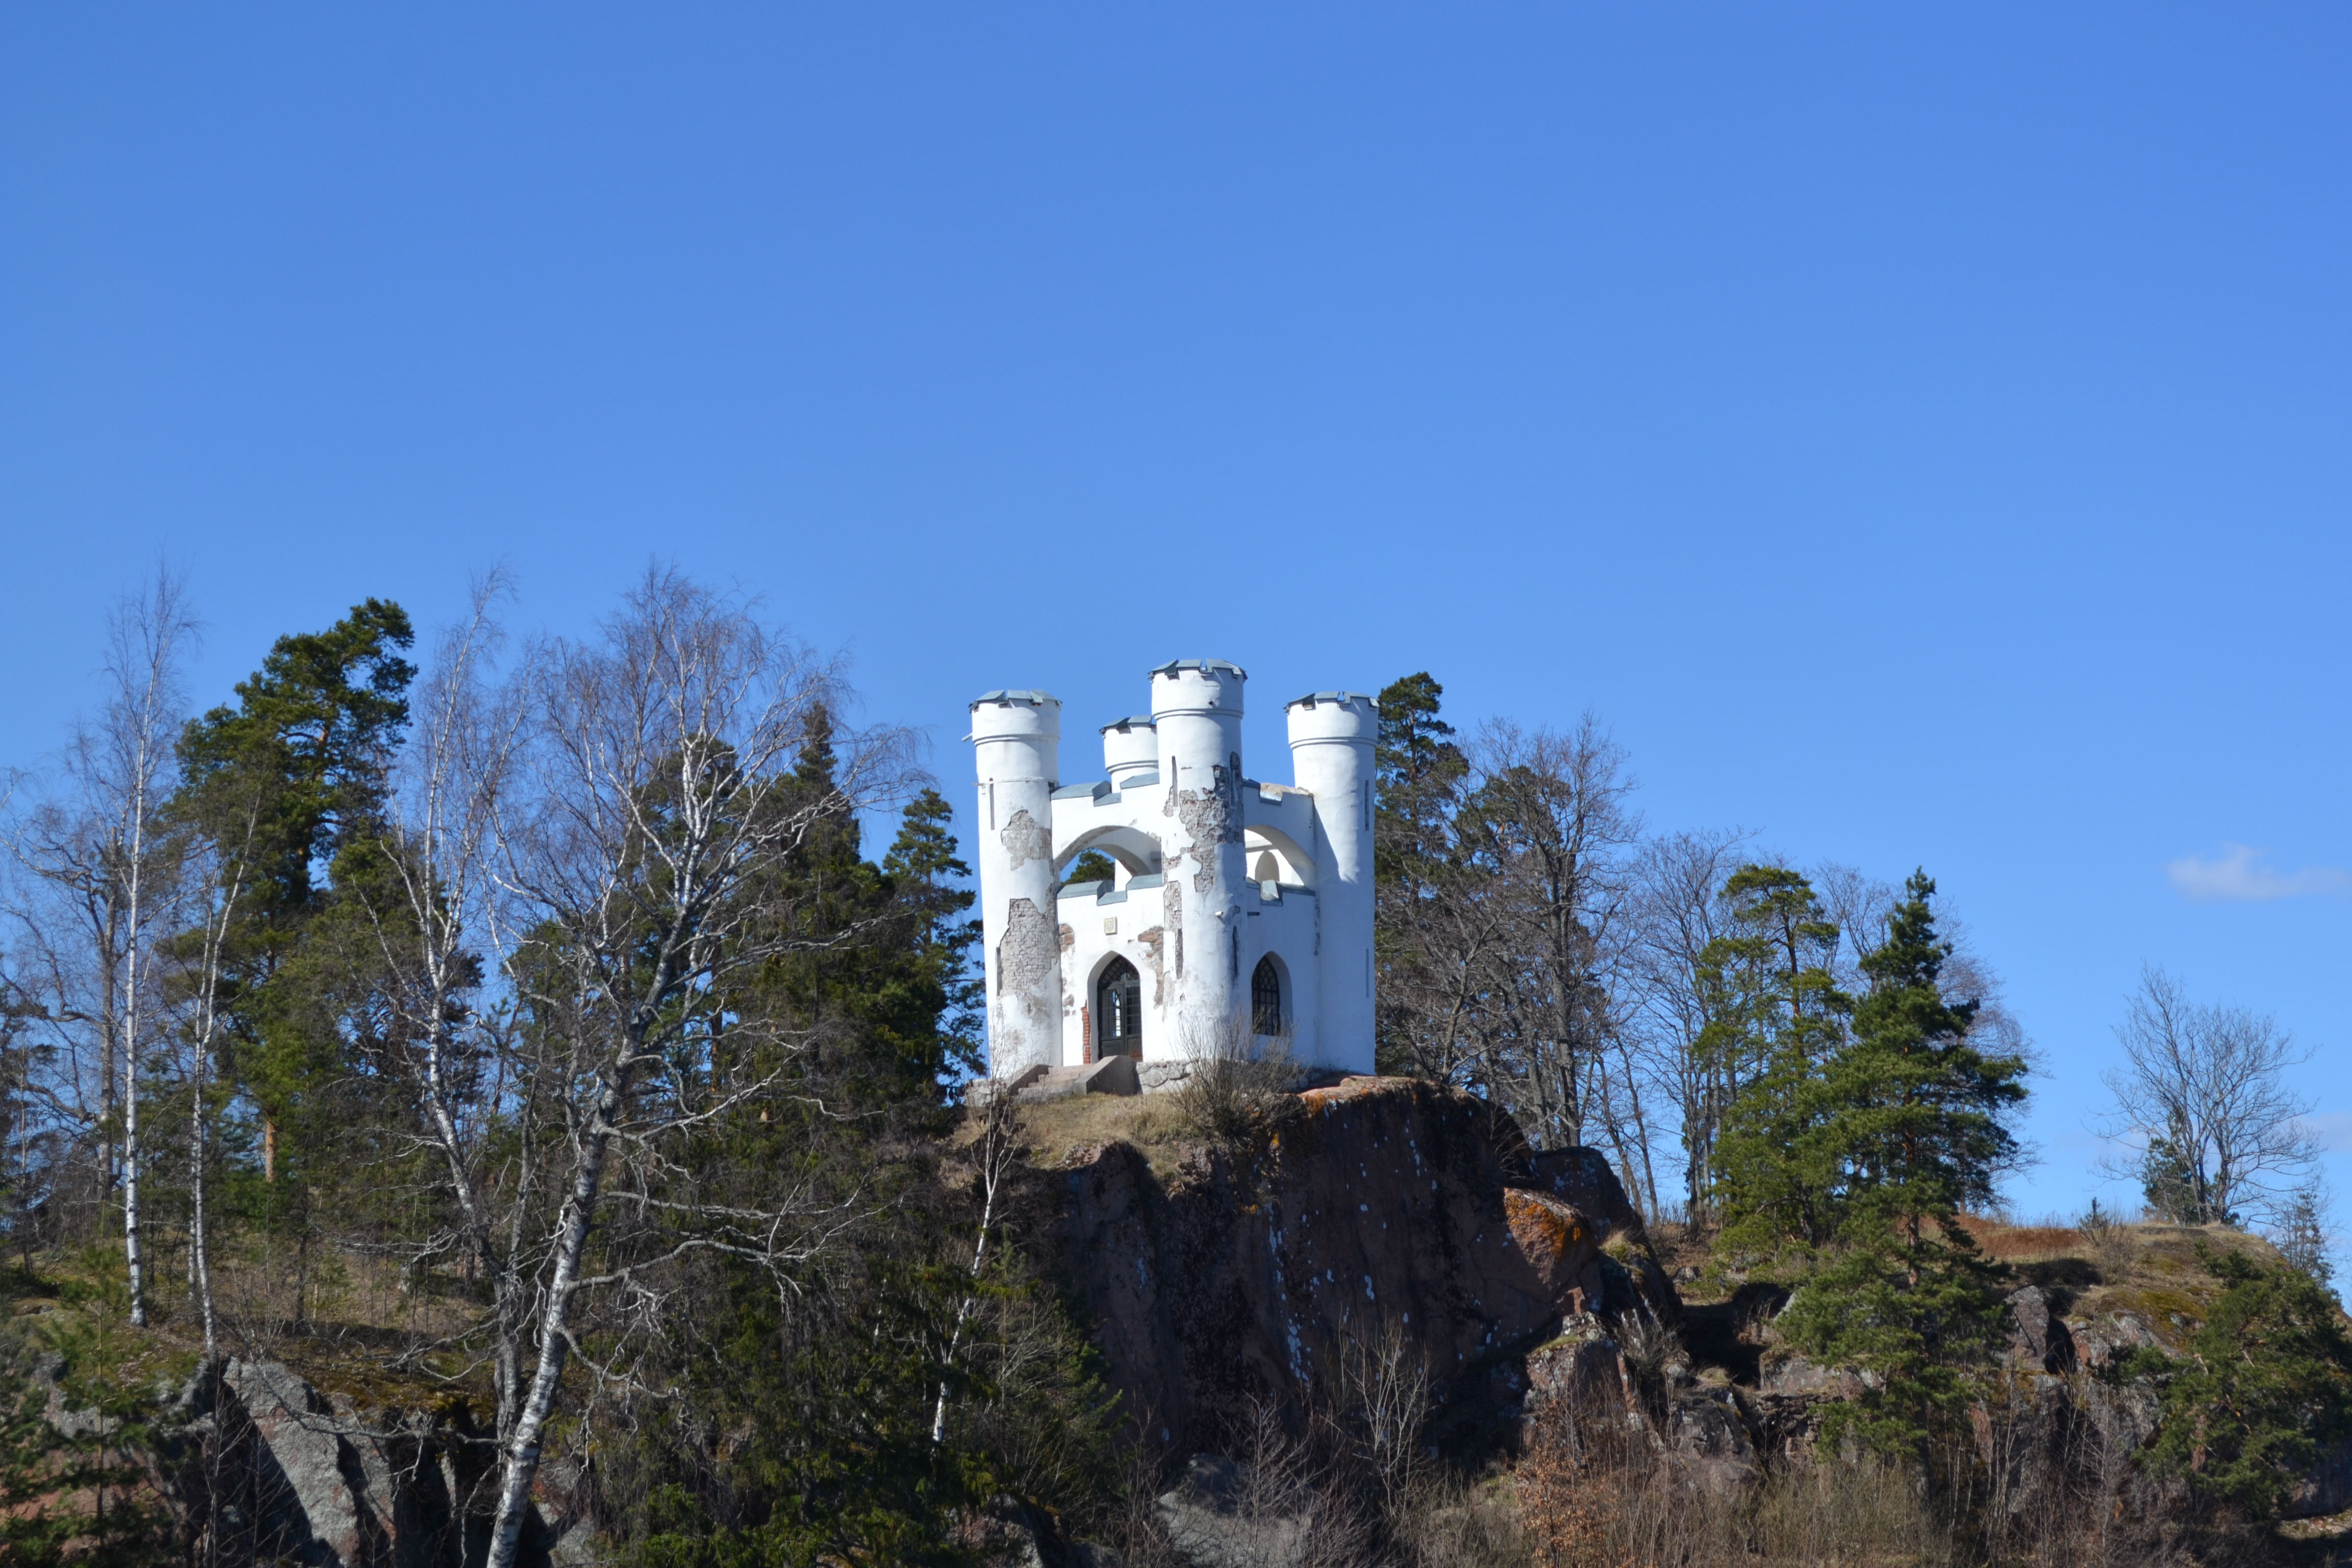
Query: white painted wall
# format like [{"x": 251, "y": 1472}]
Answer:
[{"x": 1016, "y": 739}]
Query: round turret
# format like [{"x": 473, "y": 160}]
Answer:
[
  {"x": 1196, "y": 709},
  {"x": 1015, "y": 740},
  {"x": 1016, "y": 735},
  {"x": 1130, "y": 746},
  {"x": 1332, "y": 737},
  {"x": 1333, "y": 716}
]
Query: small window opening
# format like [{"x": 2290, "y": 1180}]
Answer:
[{"x": 1265, "y": 998}]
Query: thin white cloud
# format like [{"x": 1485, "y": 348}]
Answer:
[
  {"x": 2238, "y": 876},
  {"x": 2330, "y": 1129}
]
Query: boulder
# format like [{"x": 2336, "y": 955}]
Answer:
[
  {"x": 309, "y": 1489},
  {"x": 2100, "y": 1340},
  {"x": 1562, "y": 1245},
  {"x": 1583, "y": 1369},
  {"x": 2039, "y": 1337},
  {"x": 1787, "y": 1375},
  {"x": 2327, "y": 1489},
  {"x": 1715, "y": 1435},
  {"x": 1218, "y": 1516}
]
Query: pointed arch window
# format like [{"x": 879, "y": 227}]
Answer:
[
  {"x": 1118, "y": 1010},
  {"x": 1265, "y": 998}
]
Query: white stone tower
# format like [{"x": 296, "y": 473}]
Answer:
[
  {"x": 1196, "y": 707},
  {"x": 1016, "y": 743},
  {"x": 1238, "y": 912},
  {"x": 1331, "y": 739}
]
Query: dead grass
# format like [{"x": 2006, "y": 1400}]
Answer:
[
  {"x": 2024, "y": 1243},
  {"x": 1060, "y": 1132},
  {"x": 354, "y": 1327},
  {"x": 1593, "y": 1493}
]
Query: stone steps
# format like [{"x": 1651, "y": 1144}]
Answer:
[{"x": 1112, "y": 1075}]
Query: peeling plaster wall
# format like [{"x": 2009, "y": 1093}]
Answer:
[
  {"x": 1015, "y": 740},
  {"x": 1026, "y": 839},
  {"x": 1196, "y": 709}
]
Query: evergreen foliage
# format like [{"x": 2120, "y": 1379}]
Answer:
[
  {"x": 2302, "y": 1237},
  {"x": 1417, "y": 768},
  {"x": 293, "y": 782},
  {"x": 2264, "y": 1386},
  {"x": 1094, "y": 865},
  {"x": 74, "y": 1490},
  {"x": 1864, "y": 1155},
  {"x": 2173, "y": 1190},
  {"x": 1777, "y": 1015},
  {"x": 802, "y": 1431}
]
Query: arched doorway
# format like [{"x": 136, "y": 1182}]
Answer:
[
  {"x": 1118, "y": 1010},
  {"x": 1265, "y": 998}
]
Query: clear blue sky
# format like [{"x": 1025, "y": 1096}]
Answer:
[{"x": 1920, "y": 432}]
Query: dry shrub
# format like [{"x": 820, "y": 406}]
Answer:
[
  {"x": 1596, "y": 1490},
  {"x": 2108, "y": 1240},
  {"x": 1650, "y": 1345},
  {"x": 1276, "y": 1504},
  {"x": 1236, "y": 1087},
  {"x": 1446, "y": 1522}
]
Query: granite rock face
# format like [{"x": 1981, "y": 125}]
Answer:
[
  {"x": 1383, "y": 1200},
  {"x": 2039, "y": 1337},
  {"x": 256, "y": 1466},
  {"x": 292, "y": 1475}
]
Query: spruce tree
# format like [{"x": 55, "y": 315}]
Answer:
[
  {"x": 1919, "y": 1114},
  {"x": 1910, "y": 1128},
  {"x": 2302, "y": 1235}
]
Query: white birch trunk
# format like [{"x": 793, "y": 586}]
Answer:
[{"x": 523, "y": 1448}]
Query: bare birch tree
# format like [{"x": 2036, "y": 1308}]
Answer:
[
  {"x": 2203, "y": 1106},
  {"x": 217, "y": 875},
  {"x": 603, "y": 839},
  {"x": 102, "y": 869},
  {"x": 1672, "y": 1005}
]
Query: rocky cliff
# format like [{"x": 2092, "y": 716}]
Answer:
[
  {"x": 1220, "y": 1277},
  {"x": 1216, "y": 1277}
]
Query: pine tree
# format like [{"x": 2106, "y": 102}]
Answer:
[
  {"x": 1909, "y": 1125},
  {"x": 1416, "y": 764},
  {"x": 1417, "y": 770},
  {"x": 292, "y": 783},
  {"x": 1779, "y": 1015},
  {"x": 1094, "y": 865}
]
